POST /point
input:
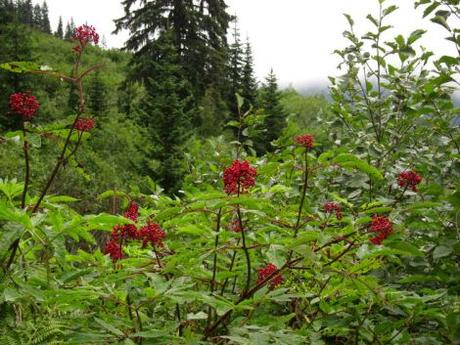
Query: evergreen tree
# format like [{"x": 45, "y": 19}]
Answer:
[
  {"x": 46, "y": 26},
  {"x": 25, "y": 12},
  {"x": 7, "y": 12},
  {"x": 97, "y": 95},
  {"x": 165, "y": 112},
  {"x": 37, "y": 17},
  {"x": 248, "y": 82},
  {"x": 69, "y": 30},
  {"x": 60, "y": 29},
  {"x": 199, "y": 29},
  {"x": 275, "y": 119},
  {"x": 235, "y": 65}
]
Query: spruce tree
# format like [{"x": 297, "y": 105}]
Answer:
[
  {"x": 46, "y": 26},
  {"x": 60, "y": 29},
  {"x": 69, "y": 30},
  {"x": 37, "y": 17},
  {"x": 199, "y": 29},
  {"x": 165, "y": 113},
  {"x": 248, "y": 82},
  {"x": 97, "y": 94},
  {"x": 25, "y": 12},
  {"x": 7, "y": 12},
  {"x": 275, "y": 119},
  {"x": 235, "y": 65}
]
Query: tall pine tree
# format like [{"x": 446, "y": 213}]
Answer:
[
  {"x": 37, "y": 17},
  {"x": 69, "y": 30},
  {"x": 46, "y": 26},
  {"x": 60, "y": 29},
  {"x": 166, "y": 113},
  {"x": 235, "y": 66},
  {"x": 25, "y": 12},
  {"x": 97, "y": 95},
  {"x": 275, "y": 120},
  {"x": 248, "y": 79},
  {"x": 199, "y": 29}
]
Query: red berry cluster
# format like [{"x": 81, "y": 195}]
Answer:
[
  {"x": 266, "y": 272},
  {"x": 305, "y": 140},
  {"x": 331, "y": 207},
  {"x": 382, "y": 227},
  {"x": 239, "y": 177},
  {"x": 85, "y": 34},
  {"x": 84, "y": 125},
  {"x": 113, "y": 248},
  {"x": 236, "y": 225},
  {"x": 132, "y": 212},
  {"x": 24, "y": 104},
  {"x": 151, "y": 233},
  {"x": 409, "y": 179}
]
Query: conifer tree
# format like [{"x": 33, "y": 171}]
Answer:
[
  {"x": 165, "y": 113},
  {"x": 46, "y": 26},
  {"x": 60, "y": 29},
  {"x": 248, "y": 80},
  {"x": 25, "y": 12},
  {"x": 199, "y": 29},
  {"x": 97, "y": 95},
  {"x": 275, "y": 120},
  {"x": 235, "y": 65},
  {"x": 69, "y": 30},
  {"x": 7, "y": 12},
  {"x": 37, "y": 17}
]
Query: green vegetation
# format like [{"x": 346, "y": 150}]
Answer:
[{"x": 150, "y": 199}]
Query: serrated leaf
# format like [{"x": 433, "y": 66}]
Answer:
[{"x": 109, "y": 327}]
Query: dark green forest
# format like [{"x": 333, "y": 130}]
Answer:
[{"x": 162, "y": 194}]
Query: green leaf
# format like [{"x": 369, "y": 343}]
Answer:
[
  {"x": 105, "y": 221},
  {"x": 389, "y": 10},
  {"x": 60, "y": 199},
  {"x": 431, "y": 8},
  {"x": 441, "y": 252},
  {"x": 239, "y": 100},
  {"x": 20, "y": 66},
  {"x": 11, "y": 214},
  {"x": 350, "y": 161},
  {"x": 404, "y": 248},
  {"x": 349, "y": 19},
  {"x": 441, "y": 21},
  {"x": 414, "y": 36},
  {"x": 109, "y": 327}
]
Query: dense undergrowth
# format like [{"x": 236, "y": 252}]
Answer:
[{"x": 347, "y": 233}]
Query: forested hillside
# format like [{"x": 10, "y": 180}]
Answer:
[{"x": 161, "y": 194}]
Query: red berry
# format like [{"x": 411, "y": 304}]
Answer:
[
  {"x": 305, "y": 140},
  {"x": 239, "y": 177},
  {"x": 383, "y": 228},
  {"x": 331, "y": 207},
  {"x": 266, "y": 272},
  {"x": 85, "y": 34},
  {"x": 24, "y": 104},
  {"x": 409, "y": 179},
  {"x": 151, "y": 233},
  {"x": 84, "y": 125},
  {"x": 113, "y": 248},
  {"x": 132, "y": 212}
]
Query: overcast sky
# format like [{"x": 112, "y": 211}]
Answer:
[{"x": 295, "y": 37}]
